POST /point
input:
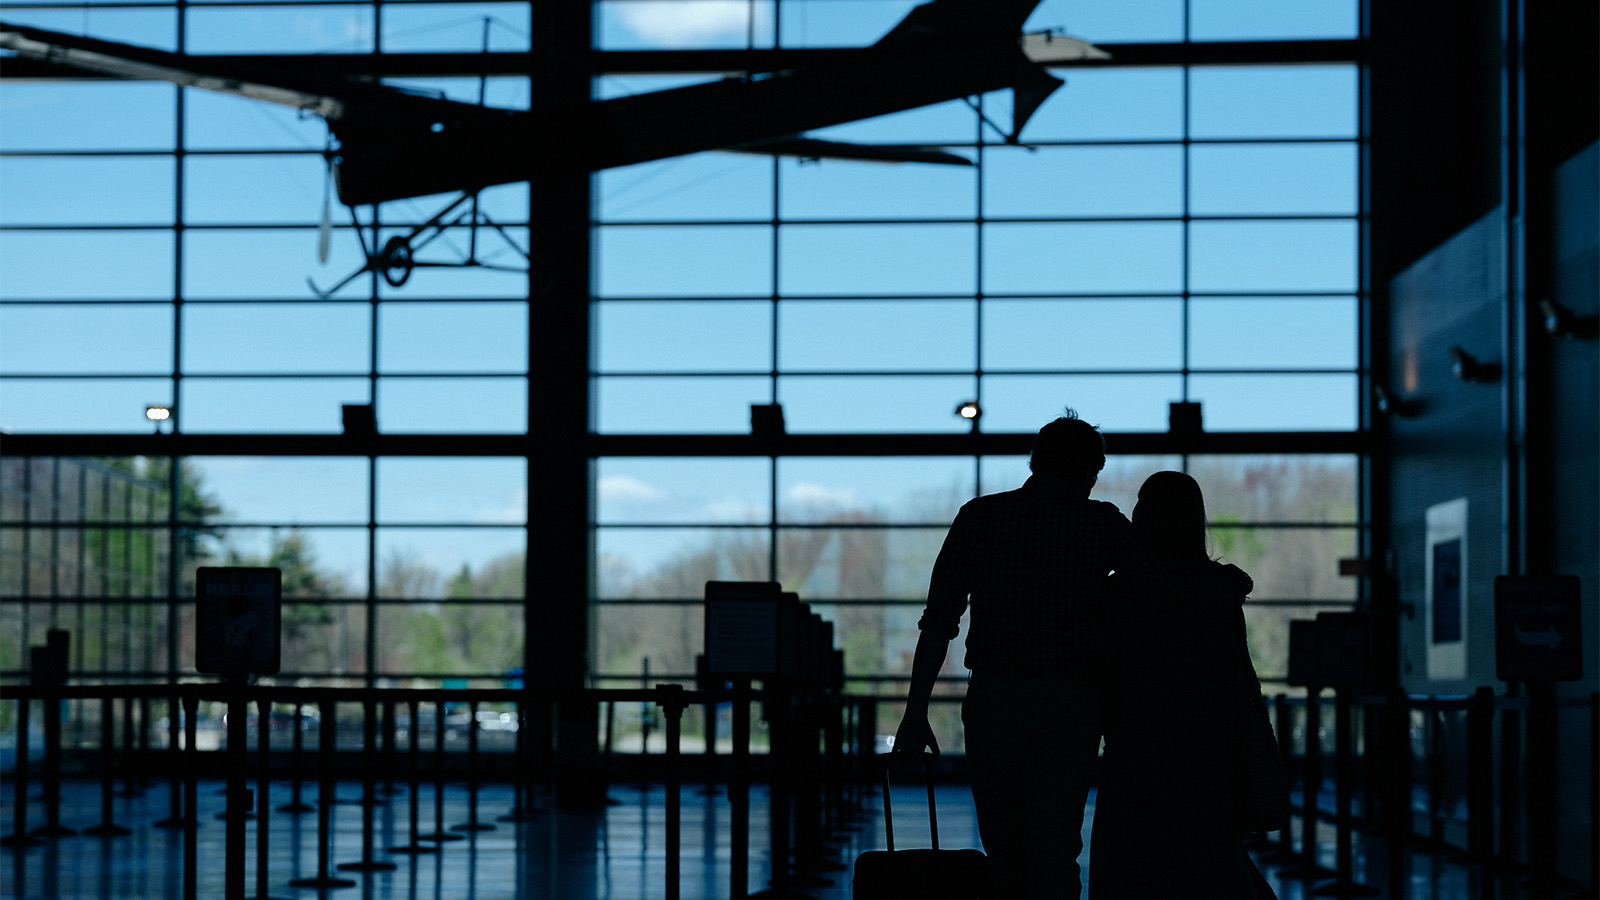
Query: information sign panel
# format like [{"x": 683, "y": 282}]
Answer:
[
  {"x": 741, "y": 627},
  {"x": 237, "y": 621},
  {"x": 1538, "y": 628}
]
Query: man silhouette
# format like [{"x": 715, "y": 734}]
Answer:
[{"x": 1033, "y": 564}]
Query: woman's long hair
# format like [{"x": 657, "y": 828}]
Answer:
[{"x": 1171, "y": 514}]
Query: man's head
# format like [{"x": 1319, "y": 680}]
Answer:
[{"x": 1070, "y": 448}]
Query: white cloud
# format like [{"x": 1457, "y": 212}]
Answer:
[
  {"x": 626, "y": 488},
  {"x": 680, "y": 24},
  {"x": 733, "y": 511},
  {"x": 820, "y": 495}
]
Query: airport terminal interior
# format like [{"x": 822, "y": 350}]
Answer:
[{"x": 499, "y": 448}]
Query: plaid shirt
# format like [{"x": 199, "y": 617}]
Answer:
[{"x": 1034, "y": 563}]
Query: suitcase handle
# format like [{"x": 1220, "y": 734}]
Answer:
[{"x": 886, "y": 760}]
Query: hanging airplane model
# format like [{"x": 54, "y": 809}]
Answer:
[{"x": 394, "y": 143}]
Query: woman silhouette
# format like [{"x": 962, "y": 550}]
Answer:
[{"x": 1172, "y": 733}]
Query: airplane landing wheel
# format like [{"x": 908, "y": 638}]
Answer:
[{"x": 396, "y": 259}]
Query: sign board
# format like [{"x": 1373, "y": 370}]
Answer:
[
  {"x": 1538, "y": 628},
  {"x": 1445, "y": 589},
  {"x": 741, "y": 627},
  {"x": 1303, "y": 648},
  {"x": 237, "y": 622},
  {"x": 1341, "y": 649}
]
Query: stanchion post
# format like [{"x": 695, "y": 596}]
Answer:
[
  {"x": 439, "y": 835},
  {"x": 369, "y": 795},
  {"x": 49, "y": 673},
  {"x": 472, "y": 823},
  {"x": 19, "y": 836},
  {"x": 263, "y": 796},
  {"x": 297, "y": 764},
  {"x": 1310, "y": 789},
  {"x": 670, "y": 697},
  {"x": 414, "y": 784},
  {"x": 1344, "y": 883},
  {"x": 108, "y": 775},
  {"x": 175, "y": 766},
  {"x": 327, "y": 740},
  {"x": 191, "y": 795},
  {"x": 739, "y": 794}
]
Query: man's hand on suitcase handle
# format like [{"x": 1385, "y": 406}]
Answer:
[{"x": 914, "y": 736}]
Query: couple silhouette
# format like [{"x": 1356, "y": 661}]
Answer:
[{"x": 1084, "y": 625}]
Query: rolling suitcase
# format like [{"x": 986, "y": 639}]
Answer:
[{"x": 932, "y": 874}]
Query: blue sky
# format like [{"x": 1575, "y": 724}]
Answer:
[{"x": 883, "y": 333}]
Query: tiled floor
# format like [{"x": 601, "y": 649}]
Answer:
[{"x": 616, "y": 854}]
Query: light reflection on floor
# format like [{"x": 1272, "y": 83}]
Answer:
[{"x": 615, "y": 854}]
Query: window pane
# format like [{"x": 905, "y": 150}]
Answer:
[
  {"x": 666, "y": 638},
  {"x": 480, "y": 490},
  {"x": 1111, "y": 402},
  {"x": 317, "y": 563},
  {"x": 1276, "y": 402},
  {"x": 64, "y": 115},
  {"x": 433, "y": 563},
  {"x": 214, "y": 121},
  {"x": 858, "y": 563},
  {"x": 268, "y": 264},
  {"x": 840, "y": 23},
  {"x": 1244, "y": 20},
  {"x": 688, "y": 188},
  {"x": 146, "y": 27},
  {"x": 287, "y": 490},
  {"x": 886, "y": 403},
  {"x": 1122, "y": 258},
  {"x": 280, "y": 337},
  {"x": 81, "y": 404},
  {"x": 701, "y": 336},
  {"x": 1272, "y": 101},
  {"x": 1318, "y": 488},
  {"x": 87, "y": 265},
  {"x": 845, "y": 189},
  {"x": 940, "y": 123},
  {"x": 280, "y": 29},
  {"x": 320, "y": 637},
  {"x": 1272, "y": 256},
  {"x": 883, "y": 335},
  {"x": 456, "y": 28},
  {"x": 449, "y": 639},
  {"x": 678, "y": 405},
  {"x": 681, "y": 24},
  {"x": 690, "y": 491},
  {"x": 1082, "y": 334},
  {"x": 676, "y": 563},
  {"x": 461, "y": 405},
  {"x": 1083, "y": 181},
  {"x": 461, "y": 336},
  {"x": 915, "y": 490},
  {"x": 1276, "y": 332},
  {"x": 1111, "y": 104},
  {"x": 1111, "y": 21},
  {"x": 876, "y": 259},
  {"x": 683, "y": 261},
  {"x": 246, "y": 405},
  {"x": 98, "y": 190},
  {"x": 1272, "y": 179},
  {"x": 280, "y": 188},
  {"x": 1289, "y": 563},
  {"x": 103, "y": 338}
]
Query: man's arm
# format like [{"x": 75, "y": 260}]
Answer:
[
  {"x": 914, "y": 732},
  {"x": 940, "y": 622}
]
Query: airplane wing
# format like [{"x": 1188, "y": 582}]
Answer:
[
  {"x": 814, "y": 148},
  {"x": 145, "y": 63}
]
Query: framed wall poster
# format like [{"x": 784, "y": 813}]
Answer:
[{"x": 1445, "y": 589}]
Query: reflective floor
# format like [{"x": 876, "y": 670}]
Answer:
[{"x": 614, "y": 854}]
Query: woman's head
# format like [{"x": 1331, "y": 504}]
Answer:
[{"x": 1171, "y": 514}]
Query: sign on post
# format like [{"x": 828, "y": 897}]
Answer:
[
  {"x": 741, "y": 627},
  {"x": 1538, "y": 629},
  {"x": 237, "y": 622}
]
